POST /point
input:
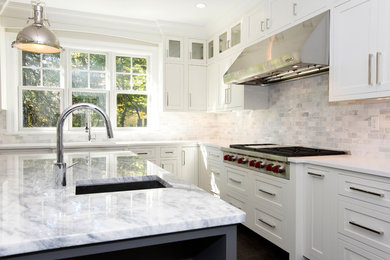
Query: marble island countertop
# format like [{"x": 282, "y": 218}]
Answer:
[{"x": 37, "y": 215}]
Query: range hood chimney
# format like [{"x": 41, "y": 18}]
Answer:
[{"x": 300, "y": 51}]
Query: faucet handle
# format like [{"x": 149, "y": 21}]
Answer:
[{"x": 73, "y": 164}]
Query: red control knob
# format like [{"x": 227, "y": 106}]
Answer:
[
  {"x": 240, "y": 160},
  {"x": 226, "y": 157},
  {"x": 252, "y": 163},
  {"x": 269, "y": 167},
  {"x": 275, "y": 169},
  {"x": 230, "y": 158},
  {"x": 258, "y": 164}
]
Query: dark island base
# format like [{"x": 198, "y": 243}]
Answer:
[{"x": 209, "y": 243}]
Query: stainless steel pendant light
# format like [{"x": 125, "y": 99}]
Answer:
[{"x": 36, "y": 37}]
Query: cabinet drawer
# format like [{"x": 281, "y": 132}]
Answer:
[
  {"x": 236, "y": 181},
  {"x": 214, "y": 154},
  {"x": 368, "y": 190},
  {"x": 147, "y": 153},
  {"x": 169, "y": 152},
  {"x": 269, "y": 192},
  {"x": 347, "y": 251},
  {"x": 269, "y": 226},
  {"x": 365, "y": 223},
  {"x": 236, "y": 201}
]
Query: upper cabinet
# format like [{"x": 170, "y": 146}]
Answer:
[
  {"x": 303, "y": 8},
  {"x": 360, "y": 50},
  {"x": 185, "y": 74},
  {"x": 270, "y": 16},
  {"x": 174, "y": 50},
  {"x": 230, "y": 38},
  {"x": 197, "y": 54},
  {"x": 210, "y": 49}
]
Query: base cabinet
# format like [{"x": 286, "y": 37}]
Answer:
[{"x": 189, "y": 164}]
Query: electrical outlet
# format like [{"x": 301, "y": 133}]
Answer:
[{"x": 374, "y": 122}]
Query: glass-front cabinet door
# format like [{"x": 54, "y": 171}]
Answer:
[
  {"x": 197, "y": 53},
  {"x": 223, "y": 42},
  {"x": 210, "y": 47},
  {"x": 174, "y": 50},
  {"x": 235, "y": 35}
]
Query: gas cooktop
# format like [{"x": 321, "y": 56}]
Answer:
[{"x": 286, "y": 151}]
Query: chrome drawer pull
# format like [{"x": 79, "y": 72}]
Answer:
[
  {"x": 368, "y": 192},
  {"x": 267, "y": 192},
  {"x": 316, "y": 174},
  {"x": 366, "y": 228},
  {"x": 265, "y": 222},
  {"x": 141, "y": 153},
  {"x": 236, "y": 181},
  {"x": 168, "y": 152}
]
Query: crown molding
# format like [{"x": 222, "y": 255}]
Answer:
[{"x": 15, "y": 16}]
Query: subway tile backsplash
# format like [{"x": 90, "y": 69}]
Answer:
[{"x": 299, "y": 114}]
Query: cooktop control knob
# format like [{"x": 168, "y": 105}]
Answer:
[
  {"x": 252, "y": 163},
  {"x": 269, "y": 167},
  {"x": 278, "y": 169},
  {"x": 226, "y": 157},
  {"x": 230, "y": 158},
  {"x": 240, "y": 160}
]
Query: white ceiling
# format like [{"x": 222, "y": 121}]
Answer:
[{"x": 179, "y": 11}]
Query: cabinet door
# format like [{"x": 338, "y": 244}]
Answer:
[
  {"x": 321, "y": 226},
  {"x": 170, "y": 165},
  {"x": 235, "y": 96},
  {"x": 212, "y": 86},
  {"x": 223, "y": 42},
  {"x": 280, "y": 14},
  {"x": 383, "y": 50},
  {"x": 210, "y": 49},
  {"x": 174, "y": 85},
  {"x": 353, "y": 41},
  {"x": 197, "y": 54},
  {"x": 189, "y": 164},
  {"x": 235, "y": 35},
  {"x": 256, "y": 22},
  {"x": 174, "y": 50},
  {"x": 223, "y": 88},
  {"x": 303, "y": 8},
  {"x": 197, "y": 82}
]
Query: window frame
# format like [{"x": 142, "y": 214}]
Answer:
[
  {"x": 21, "y": 87},
  {"x": 116, "y": 91},
  {"x": 150, "y": 53}
]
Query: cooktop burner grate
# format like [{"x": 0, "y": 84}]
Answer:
[{"x": 287, "y": 151}]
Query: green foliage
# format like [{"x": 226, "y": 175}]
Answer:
[
  {"x": 123, "y": 64},
  {"x": 80, "y": 60},
  {"x": 40, "y": 108},
  {"x": 99, "y": 99},
  {"x": 97, "y": 62},
  {"x": 131, "y": 110}
]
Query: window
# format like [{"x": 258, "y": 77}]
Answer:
[
  {"x": 131, "y": 91},
  {"x": 89, "y": 85},
  {"x": 40, "y": 92},
  {"x": 119, "y": 84}
]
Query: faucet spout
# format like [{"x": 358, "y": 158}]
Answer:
[{"x": 60, "y": 166}]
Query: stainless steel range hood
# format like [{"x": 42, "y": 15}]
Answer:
[{"x": 299, "y": 51}]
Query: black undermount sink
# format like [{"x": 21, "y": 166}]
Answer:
[{"x": 123, "y": 184}]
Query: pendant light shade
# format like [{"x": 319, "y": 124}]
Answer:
[{"x": 36, "y": 37}]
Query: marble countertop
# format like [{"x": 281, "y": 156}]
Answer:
[
  {"x": 37, "y": 215},
  {"x": 363, "y": 164}
]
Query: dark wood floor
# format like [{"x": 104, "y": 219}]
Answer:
[{"x": 252, "y": 246}]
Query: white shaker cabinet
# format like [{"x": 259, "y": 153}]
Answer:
[
  {"x": 197, "y": 84},
  {"x": 321, "y": 190},
  {"x": 189, "y": 164},
  {"x": 360, "y": 46},
  {"x": 212, "y": 87},
  {"x": 174, "y": 87},
  {"x": 303, "y": 8},
  {"x": 197, "y": 52},
  {"x": 174, "y": 49}
]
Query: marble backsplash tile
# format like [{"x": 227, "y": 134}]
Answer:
[{"x": 299, "y": 114}]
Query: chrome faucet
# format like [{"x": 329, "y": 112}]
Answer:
[{"x": 60, "y": 166}]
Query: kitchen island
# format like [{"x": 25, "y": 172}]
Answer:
[{"x": 41, "y": 220}]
